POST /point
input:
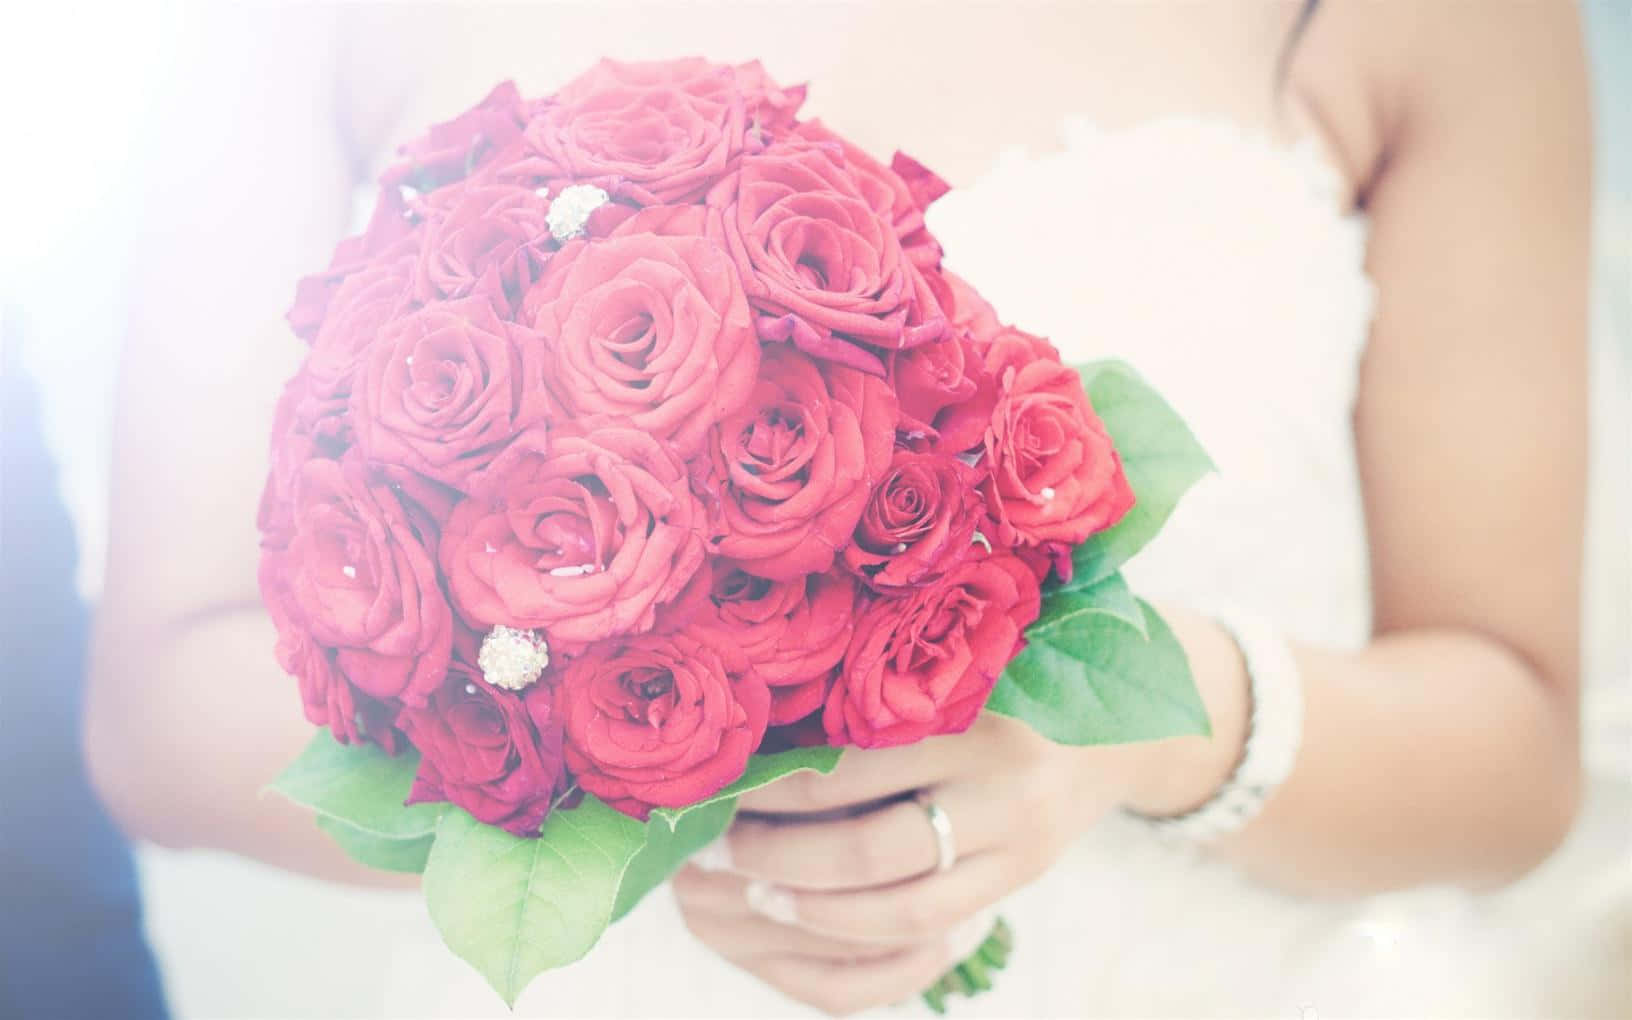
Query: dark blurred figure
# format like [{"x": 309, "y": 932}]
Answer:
[{"x": 71, "y": 942}]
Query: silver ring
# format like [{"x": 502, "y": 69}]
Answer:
[{"x": 946, "y": 847}]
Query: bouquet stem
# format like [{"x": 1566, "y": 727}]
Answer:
[{"x": 974, "y": 974}]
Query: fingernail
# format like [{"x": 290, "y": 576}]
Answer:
[
  {"x": 771, "y": 901},
  {"x": 716, "y": 856},
  {"x": 966, "y": 936}
]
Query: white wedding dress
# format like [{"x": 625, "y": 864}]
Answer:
[{"x": 1222, "y": 266}]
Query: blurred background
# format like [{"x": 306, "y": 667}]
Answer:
[{"x": 73, "y": 138}]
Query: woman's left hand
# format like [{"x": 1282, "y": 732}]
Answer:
[{"x": 840, "y": 870}]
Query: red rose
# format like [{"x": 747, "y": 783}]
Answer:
[
  {"x": 648, "y": 331},
  {"x": 360, "y": 580},
  {"x": 474, "y": 230},
  {"x": 919, "y": 523},
  {"x": 583, "y": 539},
  {"x": 793, "y": 632},
  {"x": 388, "y": 231},
  {"x": 457, "y": 148},
  {"x": 924, "y": 664},
  {"x": 819, "y": 263},
  {"x": 661, "y": 720},
  {"x": 968, "y": 312},
  {"x": 889, "y": 193},
  {"x": 443, "y": 389},
  {"x": 661, "y": 132},
  {"x": 362, "y": 306},
  {"x": 946, "y": 394},
  {"x": 1055, "y": 474},
  {"x": 796, "y": 462},
  {"x": 487, "y": 751}
]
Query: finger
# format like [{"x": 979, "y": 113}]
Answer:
[
  {"x": 839, "y": 989},
  {"x": 867, "y": 775},
  {"x": 742, "y": 939},
  {"x": 717, "y": 909},
  {"x": 883, "y": 846},
  {"x": 916, "y": 909}
]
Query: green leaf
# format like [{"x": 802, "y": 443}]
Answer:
[
  {"x": 1111, "y": 596},
  {"x": 667, "y": 848},
  {"x": 1160, "y": 455},
  {"x": 514, "y": 907},
  {"x": 405, "y": 855},
  {"x": 763, "y": 769},
  {"x": 1094, "y": 680},
  {"x": 360, "y": 785}
]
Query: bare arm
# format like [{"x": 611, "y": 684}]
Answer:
[
  {"x": 1447, "y": 749},
  {"x": 188, "y": 715}
]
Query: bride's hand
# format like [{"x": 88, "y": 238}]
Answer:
[{"x": 826, "y": 887}]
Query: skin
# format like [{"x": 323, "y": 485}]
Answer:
[{"x": 1444, "y": 750}]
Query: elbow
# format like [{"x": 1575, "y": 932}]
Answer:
[
  {"x": 1541, "y": 821},
  {"x": 119, "y": 755}
]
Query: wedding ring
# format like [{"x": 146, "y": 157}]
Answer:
[{"x": 946, "y": 848}]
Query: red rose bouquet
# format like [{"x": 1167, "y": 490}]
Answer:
[{"x": 645, "y": 453}]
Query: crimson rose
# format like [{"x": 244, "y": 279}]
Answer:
[
  {"x": 660, "y": 720},
  {"x": 662, "y": 133},
  {"x": 1056, "y": 475},
  {"x": 923, "y": 664},
  {"x": 444, "y": 388},
  {"x": 487, "y": 751},
  {"x": 818, "y": 261},
  {"x": 919, "y": 523},
  {"x": 581, "y": 536},
  {"x": 797, "y": 461},
  {"x": 645, "y": 330},
  {"x": 793, "y": 632},
  {"x": 356, "y": 573}
]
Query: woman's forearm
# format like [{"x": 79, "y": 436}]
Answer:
[
  {"x": 184, "y": 730},
  {"x": 1428, "y": 756}
]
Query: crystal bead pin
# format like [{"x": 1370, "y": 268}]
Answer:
[
  {"x": 512, "y": 659},
  {"x": 569, "y": 211}
]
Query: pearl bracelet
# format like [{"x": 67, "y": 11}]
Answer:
[{"x": 1273, "y": 735}]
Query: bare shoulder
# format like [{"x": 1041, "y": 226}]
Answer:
[{"x": 1380, "y": 75}]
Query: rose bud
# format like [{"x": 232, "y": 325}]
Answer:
[
  {"x": 919, "y": 523},
  {"x": 647, "y": 331},
  {"x": 488, "y": 751},
  {"x": 924, "y": 663},
  {"x": 1055, "y": 473},
  {"x": 582, "y": 537},
  {"x": 660, "y": 720},
  {"x": 797, "y": 461}
]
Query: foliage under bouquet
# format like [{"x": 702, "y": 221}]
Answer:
[{"x": 644, "y": 453}]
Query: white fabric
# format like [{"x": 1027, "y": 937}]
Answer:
[{"x": 1221, "y": 266}]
